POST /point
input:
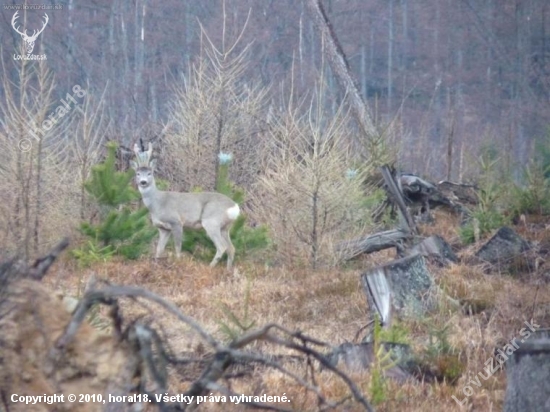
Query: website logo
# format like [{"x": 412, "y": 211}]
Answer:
[{"x": 29, "y": 40}]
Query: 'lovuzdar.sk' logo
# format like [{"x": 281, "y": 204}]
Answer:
[{"x": 29, "y": 40}]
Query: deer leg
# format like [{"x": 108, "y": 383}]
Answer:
[
  {"x": 213, "y": 231},
  {"x": 177, "y": 232},
  {"x": 230, "y": 247},
  {"x": 164, "y": 235}
]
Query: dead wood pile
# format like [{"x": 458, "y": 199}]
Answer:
[{"x": 45, "y": 350}]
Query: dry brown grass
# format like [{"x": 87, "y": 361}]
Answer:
[
  {"x": 330, "y": 305},
  {"x": 446, "y": 225}
]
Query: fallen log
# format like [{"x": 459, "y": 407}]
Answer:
[
  {"x": 458, "y": 192},
  {"x": 373, "y": 243}
]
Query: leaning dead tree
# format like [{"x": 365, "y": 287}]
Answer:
[
  {"x": 47, "y": 350},
  {"x": 396, "y": 238},
  {"x": 340, "y": 68}
]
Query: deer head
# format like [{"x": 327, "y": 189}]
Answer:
[
  {"x": 144, "y": 166},
  {"x": 29, "y": 40}
]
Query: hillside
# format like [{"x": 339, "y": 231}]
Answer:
[{"x": 327, "y": 305}]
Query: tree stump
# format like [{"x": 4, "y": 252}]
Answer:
[
  {"x": 360, "y": 357},
  {"x": 403, "y": 286},
  {"x": 528, "y": 375}
]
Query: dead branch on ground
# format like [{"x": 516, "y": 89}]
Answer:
[{"x": 145, "y": 363}]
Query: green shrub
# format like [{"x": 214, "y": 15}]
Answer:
[
  {"x": 91, "y": 253},
  {"x": 533, "y": 197},
  {"x": 440, "y": 357},
  {"x": 396, "y": 333},
  {"x": 488, "y": 215},
  {"x": 108, "y": 187},
  {"x": 121, "y": 231},
  {"x": 485, "y": 220},
  {"x": 236, "y": 325},
  {"x": 382, "y": 362}
]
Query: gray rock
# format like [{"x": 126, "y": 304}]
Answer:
[{"x": 503, "y": 247}]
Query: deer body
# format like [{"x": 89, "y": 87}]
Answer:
[{"x": 172, "y": 211}]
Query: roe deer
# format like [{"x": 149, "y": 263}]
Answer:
[{"x": 172, "y": 211}]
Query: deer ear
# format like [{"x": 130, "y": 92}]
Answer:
[
  {"x": 134, "y": 165},
  {"x": 153, "y": 163}
]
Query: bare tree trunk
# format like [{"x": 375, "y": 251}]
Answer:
[
  {"x": 25, "y": 175},
  {"x": 219, "y": 135},
  {"x": 364, "y": 70},
  {"x": 315, "y": 222},
  {"x": 301, "y": 48},
  {"x": 26, "y": 188},
  {"x": 45, "y": 88},
  {"x": 137, "y": 68},
  {"x": 341, "y": 70},
  {"x": 450, "y": 135},
  {"x": 405, "y": 33},
  {"x": 19, "y": 198},
  {"x": 111, "y": 37},
  {"x": 126, "y": 71},
  {"x": 390, "y": 58},
  {"x": 38, "y": 202}
]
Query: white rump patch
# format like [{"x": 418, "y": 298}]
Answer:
[{"x": 233, "y": 212}]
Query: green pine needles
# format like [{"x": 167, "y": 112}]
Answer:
[
  {"x": 108, "y": 187},
  {"x": 121, "y": 231}
]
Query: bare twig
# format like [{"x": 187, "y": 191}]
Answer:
[
  {"x": 323, "y": 360},
  {"x": 41, "y": 265},
  {"x": 154, "y": 357},
  {"x": 131, "y": 291}
]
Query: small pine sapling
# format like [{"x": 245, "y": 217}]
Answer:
[{"x": 121, "y": 231}]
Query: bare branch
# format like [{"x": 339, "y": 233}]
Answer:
[
  {"x": 126, "y": 291},
  {"x": 41, "y": 265}
]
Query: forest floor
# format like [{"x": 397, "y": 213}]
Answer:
[{"x": 330, "y": 305}]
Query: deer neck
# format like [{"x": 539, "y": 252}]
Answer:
[{"x": 149, "y": 195}]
